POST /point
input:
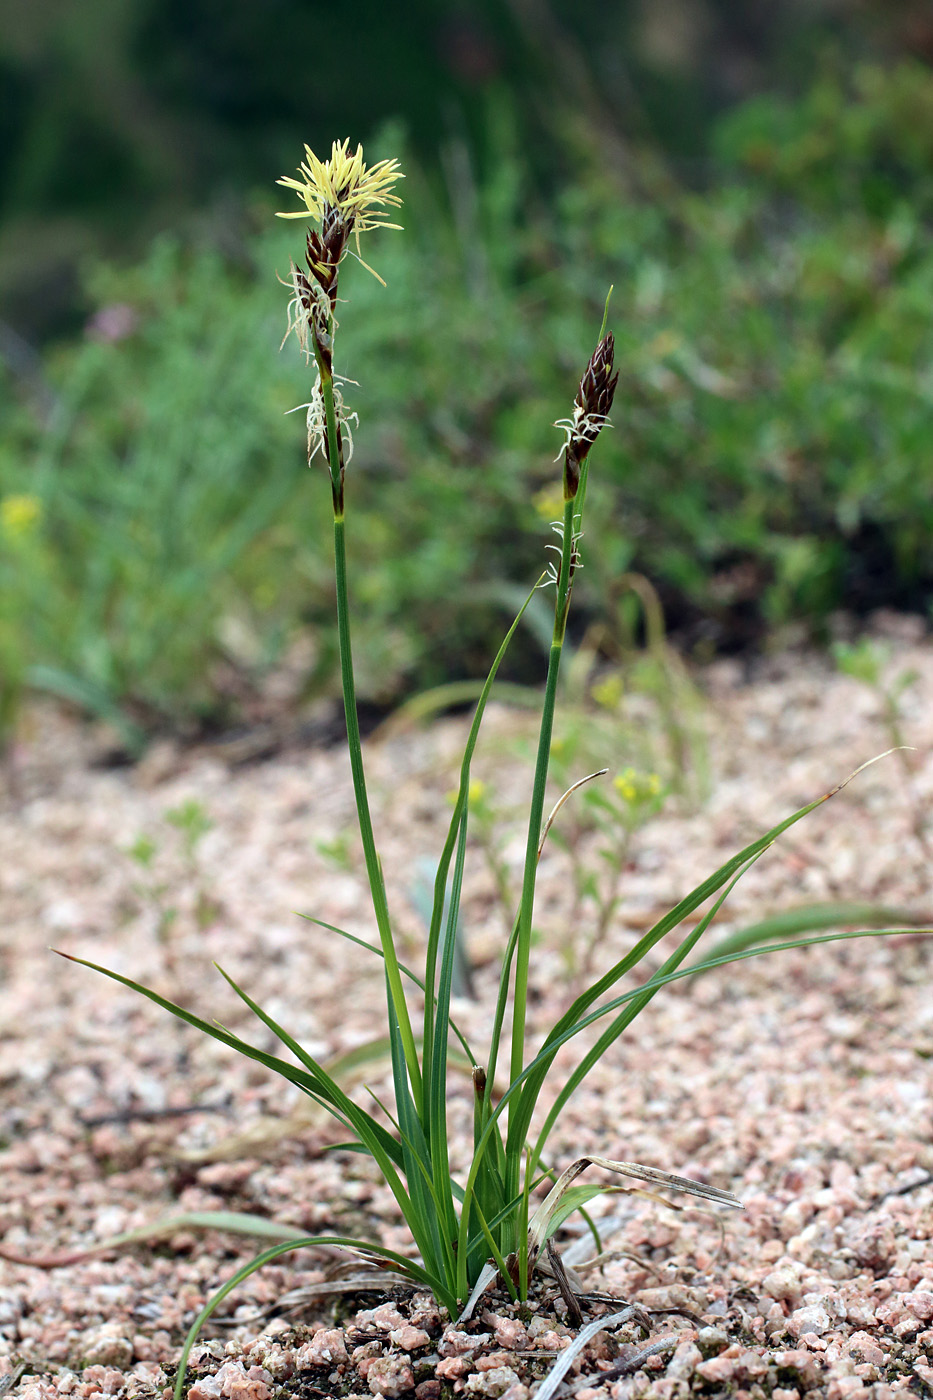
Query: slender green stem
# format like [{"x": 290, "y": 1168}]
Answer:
[
  {"x": 492, "y": 1059},
  {"x": 526, "y": 908},
  {"x": 443, "y": 867},
  {"x": 398, "y": 1007}
]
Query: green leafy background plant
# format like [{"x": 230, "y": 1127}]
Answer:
[{"x": 769, "y": 460}]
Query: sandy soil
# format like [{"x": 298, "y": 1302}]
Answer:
[{"x": 802, "y": 1082}]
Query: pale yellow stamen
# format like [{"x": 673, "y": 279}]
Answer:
[{"x": 344, "y": 183}]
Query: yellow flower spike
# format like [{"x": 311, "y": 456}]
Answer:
[
  {"x": 346, "y": 185},
  {"x": 19, "y": 514},
  {"x": 345, "y": 192}
]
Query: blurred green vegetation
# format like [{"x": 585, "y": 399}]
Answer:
[
  {"x": 163, "y": 550},
  {"x": 125, "y": 118}
]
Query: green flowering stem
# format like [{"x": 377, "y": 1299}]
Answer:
[
  {"x": 398, "y": 1006},
  {"x": 536, "y": 815}
]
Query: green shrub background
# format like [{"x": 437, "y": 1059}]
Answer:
[{"x": 770, "y": 459}]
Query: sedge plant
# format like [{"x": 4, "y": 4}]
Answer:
[{"x": 465, "y": 1231}]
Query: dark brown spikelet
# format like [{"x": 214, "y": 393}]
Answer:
[
  {"x": 326, "y": 249},
  {"x": 324, "y": 252},
  {"x": 590, "y": 411}
]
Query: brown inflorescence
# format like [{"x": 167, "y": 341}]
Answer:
[{"x": 590, "y": 412}]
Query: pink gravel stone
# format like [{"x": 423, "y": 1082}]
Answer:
[
  {"x": 452, "y": 1368},
  {"x": 813, "y": 1318},
  {"x": 386, "y": 1316},
  {"x": 866, "y": 1347},
  {"x": 390, "y": 1375},
  {"x": 205, "y": 1388},
  {"x": 509, "y": 1332},
  {"x": 803, "y": 1362},
  {"x": 848, "y": 1388},
  {"x": 684, "y": 1362},
  {"x": 234, "y": 1382},
  {"x": 673, "y": 1295},
  {"x": 409, "y": 1338},
  {"x": 101, "y": 1380},
  {"x": 325, "y": 1348},
  {"x": 107, "y": 1346},
  {"x": 875, "y": 1246},
  {"x": 719, "y": 1369},
  {"x": 783, "y": 1284},
  {"x": 493, "y": 1382},
  {"x": 457, "y": 1343},
  {"x": 255, "y": 1384}
]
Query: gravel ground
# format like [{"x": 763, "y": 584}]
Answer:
[{"x": 801, "y": 1082}]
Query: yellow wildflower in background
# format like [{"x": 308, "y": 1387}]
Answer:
[
  {"x": 549, "y": 502},
  {"x": 475, "y": 792},
  {"x": 608, "y": 691},
  {"x": 635, "y": 787},
  {"x": 19, "y": 514}
]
